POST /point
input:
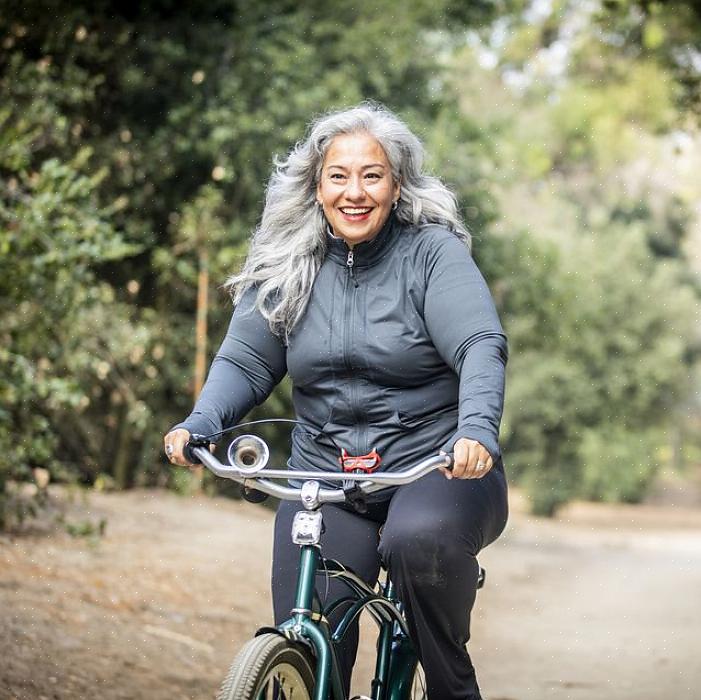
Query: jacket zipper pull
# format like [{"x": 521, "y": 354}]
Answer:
[{"x": 349, "y": 265}]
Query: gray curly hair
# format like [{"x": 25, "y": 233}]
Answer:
[{"x": 289, "y": 244}]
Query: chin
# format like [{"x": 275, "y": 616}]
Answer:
[{"x": 360, "y": 238}]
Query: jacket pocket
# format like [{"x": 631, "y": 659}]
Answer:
[{"x": 411, "y": 422}]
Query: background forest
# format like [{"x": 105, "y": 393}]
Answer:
[{"x": 136, "y": 140}]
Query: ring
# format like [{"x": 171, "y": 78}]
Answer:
[
  {"x": 481, "y": 465},
  {"x": 169, "y": 450}
]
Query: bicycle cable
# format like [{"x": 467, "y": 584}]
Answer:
[
  {"x": 219, "y": 433},
  {"x": 327, "y": 582},
  {"x": 261, "y": 421}
]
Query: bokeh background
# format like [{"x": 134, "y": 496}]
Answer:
[{"x": 136, "y": 139}]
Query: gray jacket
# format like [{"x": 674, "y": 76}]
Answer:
[{"x": 400, "y": 349}]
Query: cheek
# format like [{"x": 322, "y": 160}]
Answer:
[
  {"x": 387, "y": 197},
  {"x": 328, "y": 195}
]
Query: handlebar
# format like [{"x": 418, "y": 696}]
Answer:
[{"x": 366, "y": 483}]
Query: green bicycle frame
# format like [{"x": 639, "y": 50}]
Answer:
[
  {"x": 396, "y": 659},
  {"x": 302, "y": 624}
]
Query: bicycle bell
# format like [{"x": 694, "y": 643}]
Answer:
[{"x": 248, "y": 453}]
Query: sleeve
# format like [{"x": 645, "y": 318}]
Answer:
[
  {"x": 249, "y": 364},
  {"x": 461, "y": 318}
]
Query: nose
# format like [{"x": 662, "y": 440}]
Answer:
[{"x": 354, "y": 189}]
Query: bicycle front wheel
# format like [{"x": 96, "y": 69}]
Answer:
[{"x": 269, "y": 667}]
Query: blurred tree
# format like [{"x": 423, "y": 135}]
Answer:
[
  {"x": 134, "y": 138},
  {"x": 589, "y": 262},
  {"x": 63, "y": 335},
  {"x": 599, "y": 361},
  {"x": 666, "y": 31}
]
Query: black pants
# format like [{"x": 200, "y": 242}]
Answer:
[{"x": 432, "y": 531}]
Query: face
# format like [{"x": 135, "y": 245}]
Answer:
[{"x": 356, "y": 189}]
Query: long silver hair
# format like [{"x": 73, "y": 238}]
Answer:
[{"x": 289, "y": 244}]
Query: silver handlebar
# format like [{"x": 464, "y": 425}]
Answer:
[{"x": 368, "y": 483}]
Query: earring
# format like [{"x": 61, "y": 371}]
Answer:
[{"x": 395, "y": 204}]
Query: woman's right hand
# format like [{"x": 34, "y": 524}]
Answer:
[{"x": 174, "y": 444}]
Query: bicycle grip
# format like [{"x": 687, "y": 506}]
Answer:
[{"x": 194, "y": 441}]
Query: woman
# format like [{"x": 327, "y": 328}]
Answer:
[{"x": 359, "y": 284}]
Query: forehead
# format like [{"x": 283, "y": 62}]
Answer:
[{"x": 358, "y": 149}]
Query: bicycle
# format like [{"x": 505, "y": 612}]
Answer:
[{"x": 297, "y": 659}]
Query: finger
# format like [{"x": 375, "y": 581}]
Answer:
[
  {"x": 174, "y": 444},
  {"x": 170, "y": 445},
  {"x": 461, "y": 456},
  {"x": 178, "y": 456},
  {"x": 472, "y": 459},
  {"x": 483, "y": 463}
]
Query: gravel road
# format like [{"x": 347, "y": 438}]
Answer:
[{"x": 603, "y": 602}]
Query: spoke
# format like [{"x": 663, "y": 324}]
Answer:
[{"x": 283, "y": 683}]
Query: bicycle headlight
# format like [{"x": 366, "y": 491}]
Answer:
[{"x": 306, "y": 527}]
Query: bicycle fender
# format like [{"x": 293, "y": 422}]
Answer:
[{"x": 287, "y": 633}]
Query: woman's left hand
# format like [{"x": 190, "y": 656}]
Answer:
[{"x": 470, "y": 460}]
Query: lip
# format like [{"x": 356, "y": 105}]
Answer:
[{"x": 353, "y": 218}]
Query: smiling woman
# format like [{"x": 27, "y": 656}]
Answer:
[
  {"x": 359, "y": 283},
  {"x": 356, "y": 188}
]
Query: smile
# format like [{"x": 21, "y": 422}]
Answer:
[{"x": 355, "y": 211}]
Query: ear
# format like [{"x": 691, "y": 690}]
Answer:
[
  {"x": 396, "y": 191},
  {"x": 318, "y": 194}
]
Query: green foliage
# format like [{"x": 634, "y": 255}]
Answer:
[
  {"x": 665, "y": 31},
  {"x": 53, "y": 235},
  {"x": 594, "y": 217},
  {"x": 183, "y": 482},
  {"x": 20, "y": 502},
  {"x": 593, "y": 378},
  {"x": 132, "y": 139},
  {"x": 87, "y": 528},
  {"x": 620, "y": 463}
]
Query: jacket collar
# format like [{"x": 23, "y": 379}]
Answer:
[{"x": 368, "y": 252}]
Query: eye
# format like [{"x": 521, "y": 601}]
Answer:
[
  {"x": 373, "y": 176},
  {"x": 337, "y": 176}
]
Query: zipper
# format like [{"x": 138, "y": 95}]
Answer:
[
  {"x": 347, "y": 341},
  {"x": 349, "y": 267}
]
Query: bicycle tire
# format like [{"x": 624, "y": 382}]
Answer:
[{"x": 269, "y": 667}]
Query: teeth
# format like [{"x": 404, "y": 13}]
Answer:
[{"x": 351, "y": 211}]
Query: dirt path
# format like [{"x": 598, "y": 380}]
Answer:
[{"x": 603, "y": 603}]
